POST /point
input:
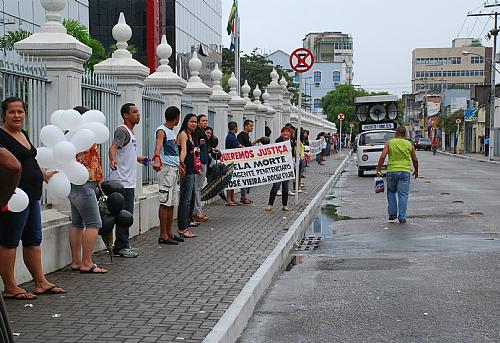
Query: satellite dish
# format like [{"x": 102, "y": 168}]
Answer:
[
  {"x": 377, "y": 112},
  {"x": 392, "y": 111},
  {"x": 362, "y": 113}
]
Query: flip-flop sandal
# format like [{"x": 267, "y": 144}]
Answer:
[
  {"x": 232, "y": 204},
  {"x": 17, "y": 296},
  {"x": 49, "y": 291},
  {"x": 92, "y": 270}
]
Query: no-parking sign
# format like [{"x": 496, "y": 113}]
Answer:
[{"x": 301, "y": 60}]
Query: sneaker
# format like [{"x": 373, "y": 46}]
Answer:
[
  {"x": 126, "y": 252},
  {"x": 402, "y": 220},
  {"x": 134, "y": 249},
  {"x": 301, "y": 191},
  {"x": 392, "y": 216},
  {"x": 291, "y": 193},
  {"x": 279, "y": 192}
]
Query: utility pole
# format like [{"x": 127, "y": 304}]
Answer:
[{"x": 494, "y": 34}]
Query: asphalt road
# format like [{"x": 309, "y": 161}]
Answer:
[{"x": 434, "y": 279}]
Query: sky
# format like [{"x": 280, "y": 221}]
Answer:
[{"x": 384, "y": 31}]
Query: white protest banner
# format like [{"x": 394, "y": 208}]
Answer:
[
  {"x": 315, "y": 146},
  {"x": 260, "y": 165}
]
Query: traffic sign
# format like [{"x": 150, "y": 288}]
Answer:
[
  {"x": 458, "y": 121},
  {"x": 301, "y": 60},
  {"x": 351, "y": 125},
  {"x": 341, "y": 116}
]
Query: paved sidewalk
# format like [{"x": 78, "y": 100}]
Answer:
[
  {"x": 169, "y": 293},
  {"x": 473, "y": 157}
]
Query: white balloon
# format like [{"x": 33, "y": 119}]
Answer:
[
  {"x": 59, "y": 186},
  {"x": 71, "y": 120},
  {"x": 55, "y": 118},
  {"x": 100, "y": 131},
  {"x": 19, "y": 201},
  {"x": 83, "y": 139},
  {"x": 76, "y": 172},
  {"x": 50, "y": 135},
  {"x": 64, "y": 152},
  {"x": 94, "y": 116},
  {"x": 69, "y": 135},
  {"x": 45, "y": 157}
]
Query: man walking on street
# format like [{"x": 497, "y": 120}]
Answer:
[
  {"x": 401, "y": 156},
  {"x": 244, "y": 139},
  {"x": 123, "y": 158},
  {"x": 166, "y": 163}
]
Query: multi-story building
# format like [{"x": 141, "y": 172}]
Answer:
[
  {"x": 450, "y": 67},
  {"x": 322, "y": 78},
  {"x": 189, "y": 26},
  {"x": 331, "y": 47},
  {"x": 29, "y": 14}
]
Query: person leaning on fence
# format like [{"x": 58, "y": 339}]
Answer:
[
  {"x": 123, "y": 158},
  {"x": 85, "y": 217},
  {"x": 25, "y": 225},
  {"x": 166, "y": 164},
  {"x": 187, "y": 173},
  {"x": 286, "y": 133},
  {"x": 232, "y": 143},
  {"x": 200, "y": 141}
]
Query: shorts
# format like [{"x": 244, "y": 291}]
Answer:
[
  {"x": 84, "y": 207},
  {"x": 25, "y": 226},
  {"x": 169, "y": 185}
]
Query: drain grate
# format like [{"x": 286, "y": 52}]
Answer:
[{"x": 309, "y": 243}]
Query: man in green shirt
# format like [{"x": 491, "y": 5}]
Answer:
[{"x": 401, "y": 156}]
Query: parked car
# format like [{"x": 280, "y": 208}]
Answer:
[{"x": 423, "y": 144}]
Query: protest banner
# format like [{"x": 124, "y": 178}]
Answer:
[
  {"x": 315, "y": 146},
  {"x": 260, "y": 165}
]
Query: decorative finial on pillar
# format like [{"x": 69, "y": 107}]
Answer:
[
  {"x": 53, "y": 9},
  {"x": 266, "y": 96},
  {"x": 216, "y": 76},
  {"x": 164, "y": 51},
  {"x": 283, "y": 82},
  {"x": 274, "y": 77},
  {"x": 194, "y": 68},
  {"x": 256, "y": 94},
  {"x": 122, "y": 34},
  {"x": 233, "y": 84},
  {"x": 245, "y": 90}
]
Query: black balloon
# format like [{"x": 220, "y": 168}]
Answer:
[
  {"x": 115, "y": 202},
  {"x": 264, "y": 140},
  {"x": 125, "y": 219},
  {"x": 108, "y": 223},
  {"x": 109, "y": 187}
]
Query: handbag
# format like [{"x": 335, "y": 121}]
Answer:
[{"x": 197, "y": 164}]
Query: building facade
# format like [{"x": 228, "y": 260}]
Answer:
[
  {"x": 189, "y": 26},
  {"x": 29, "y": 14},
  {"x": 331, "y": 47},
  {"x": 450, "y": 67},
  {"x": 322, "y": 78}
]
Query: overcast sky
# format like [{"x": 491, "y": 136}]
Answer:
[{"x": 384, "y": 31}]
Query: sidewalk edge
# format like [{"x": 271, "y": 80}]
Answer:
[
  {"x": 466, "y": 157},
  {"x": 233, "y": 322}
]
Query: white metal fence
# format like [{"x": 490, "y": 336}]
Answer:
[
  {"x": 26, "y": 78},
  {"x": 152, "y": 116},
  {"x": 99, "y": 92}
]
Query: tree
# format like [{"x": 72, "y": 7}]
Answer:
[
  {"x": 448, "y": 123},
  {"x": 7, "y": 42},
  {"x": 255, "y": 68}
]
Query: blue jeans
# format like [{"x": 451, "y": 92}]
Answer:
[
  {"x": 25, "y": 226},
  {"x": 244, "y": 191},
  {"x": 274, "y": 192},
  {"x": 398, "y": 182},
  {"x": 186, "y": 201},
  {"x": 122, "y": 233}
]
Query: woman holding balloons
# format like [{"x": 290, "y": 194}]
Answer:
[{"x": 25, "y": 225}]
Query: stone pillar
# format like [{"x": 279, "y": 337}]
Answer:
[
  {"x": 164, "y": 79},
  {"x": 276, "y": 94},
  {"x": 236, "y": 104},
  {"x": 63, "y": 54},
  {"x": 130, "y": 75},
  {"x": 287, "y": 96},
  {"x": 260, "y": 117},
  {"x": 220, "y": 101},
  {"x": 270, "y": 114},
  {"x": 196, "y": 89},
  {"x": 250, "y": 108}
]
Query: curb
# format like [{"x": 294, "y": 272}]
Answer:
[
  {"x": 233, "y": 322},
  {"x": 466, "y": 157}
]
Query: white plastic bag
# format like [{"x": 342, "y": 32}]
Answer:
[{"x": 378, "y": 185}]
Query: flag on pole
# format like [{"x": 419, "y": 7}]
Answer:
[{"x": 231, "y": 23}]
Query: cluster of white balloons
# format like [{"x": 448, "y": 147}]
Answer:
[{"x": 69, "y": 134}]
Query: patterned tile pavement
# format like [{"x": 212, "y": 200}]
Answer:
[{"x": 168, "y": 293}]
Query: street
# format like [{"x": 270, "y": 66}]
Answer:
[{"x": 434, "y": 279}]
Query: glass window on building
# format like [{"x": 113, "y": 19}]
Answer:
[
  {"x": 317, "y": 104},
  {"x": 317, "y": 77},
  {"x": 336, "y": 76},
  {"x": 476, "y": 60}
]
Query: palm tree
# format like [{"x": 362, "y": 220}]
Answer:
[{"x": 7, "y": 42}]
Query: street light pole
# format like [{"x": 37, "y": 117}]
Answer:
[{"x": 492, "y": 96}]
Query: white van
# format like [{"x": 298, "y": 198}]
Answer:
[{"x": 369, "y": 147}]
